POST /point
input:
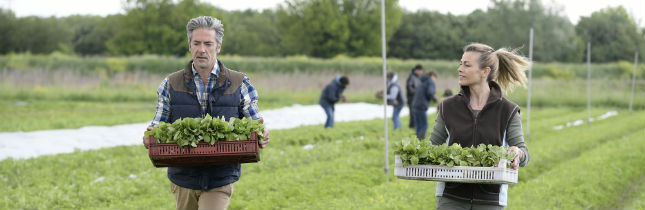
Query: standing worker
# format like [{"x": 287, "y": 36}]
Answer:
[
  {"x": 479, "y": 114},
  {"x": 425, "y": 93},
  {"x": 331, "y": 95},
  {"x": 395, "y": 98},
  {"x": 410, "y": 86},
  {"x": 205, "y": 86}
]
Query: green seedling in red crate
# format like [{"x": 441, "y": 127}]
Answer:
[{"x": 190, "y": 131}]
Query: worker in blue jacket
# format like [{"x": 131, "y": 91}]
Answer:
[{"x": 424, "y": 94}]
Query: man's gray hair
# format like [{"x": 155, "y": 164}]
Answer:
[{"x": 208, "y": 23}]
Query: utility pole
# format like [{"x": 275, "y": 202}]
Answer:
[
  {"x": 528, "y": 101},
  {"x": 631, "y": 99},
  {"x": 588, "y": 82},
  {"x": 383, "y": 53}
]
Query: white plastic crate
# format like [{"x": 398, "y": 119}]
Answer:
[{"x": 465, "y": 174}]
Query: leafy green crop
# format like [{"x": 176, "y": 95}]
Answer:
[
  {"x": 189, "y": 131},
  {"x": 415, "y": 152}
]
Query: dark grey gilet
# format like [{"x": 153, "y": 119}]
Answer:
[
  {"x": 488, "y": 127},
  {"x": 224, "y": 100}
]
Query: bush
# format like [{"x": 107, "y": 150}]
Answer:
[{"x": 292, "y": 64}]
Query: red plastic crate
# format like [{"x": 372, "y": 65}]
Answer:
[{"x": 222, "y": 152}]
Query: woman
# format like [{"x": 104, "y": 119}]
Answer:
[{"x": 479, "y": 114}]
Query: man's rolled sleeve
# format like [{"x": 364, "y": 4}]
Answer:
[
  {"x": 249, "y": 100},
  {"x": 163, "y": 104}
]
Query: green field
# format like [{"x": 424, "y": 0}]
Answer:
[
  {"x": 599, "y": 166},
  {"x": 596, "y": 166}
]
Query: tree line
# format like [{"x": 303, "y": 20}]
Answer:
[{"x": 329, "y": 28}]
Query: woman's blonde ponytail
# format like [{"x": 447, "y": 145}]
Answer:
[
  {"x": 507, "y": 67},
  {"x": 511, "y": 69}
]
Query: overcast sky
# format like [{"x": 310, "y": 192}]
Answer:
[{"x": 572, "y": 8}]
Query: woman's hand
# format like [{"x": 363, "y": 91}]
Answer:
[{"x": 518, "y": 155}]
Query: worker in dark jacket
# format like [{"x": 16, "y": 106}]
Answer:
[
  {"x": 422, "y": 97},
  {"x": 332, "y": 94},
  {"x": 410, "y": 86}
]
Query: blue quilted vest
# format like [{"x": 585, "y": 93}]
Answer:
[{"x": 223, "y": 100}]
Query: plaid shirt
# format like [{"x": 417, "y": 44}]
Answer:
[{"x": 249, "y": 102}]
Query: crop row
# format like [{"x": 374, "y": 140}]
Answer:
[
  {"x": 552, "y": 147},
  {"x": 596, "y": 179}
]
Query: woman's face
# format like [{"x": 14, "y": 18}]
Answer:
[{"x": 469, "y": 71}]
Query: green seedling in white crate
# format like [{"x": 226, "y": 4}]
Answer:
[
  {"x": 420, "y": 160},
  {"x": 415, "y": 152}
]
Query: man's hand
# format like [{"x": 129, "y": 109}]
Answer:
[
  {"x": 518, "y": 155},
  {"x": 264, "y": 142},
  {"x": 343, "y": 98},
  {"x": 145, "y": 138}
]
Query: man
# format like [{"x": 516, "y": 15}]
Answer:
[
  {"x": 395, "y": 98},
  {"x": 332, "y": 94},
  {"x": 410, "y": 88},
  {"x": 425, "y": 93},
  {"x": 205, "y": 86}
]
